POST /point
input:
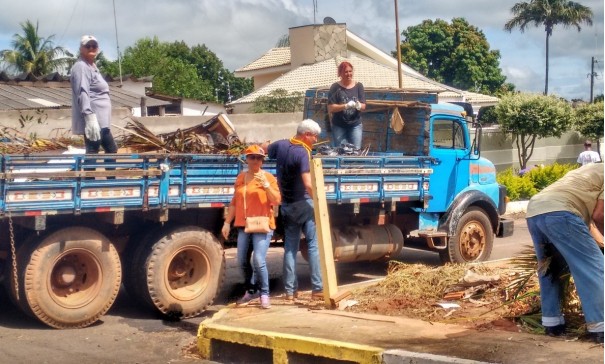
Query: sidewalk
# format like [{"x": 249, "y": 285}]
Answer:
[{"x": 307, "y": 333}]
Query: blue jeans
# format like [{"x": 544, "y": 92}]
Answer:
[
  {"x": 256, "y": 274},
  {"x": 347, "y": 135},
  {"x": 569, "y": 234},
  {"x": 299, "y": 217}
]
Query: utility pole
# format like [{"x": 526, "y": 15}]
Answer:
[
  {"x": 115, "y": 22},
  {"x": 399, "y": 75},
  {"x": 592, "y": 76}
]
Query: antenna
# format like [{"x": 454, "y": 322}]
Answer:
[
  {"x": 117, "y": 43},
  {"x": 314, "y": 10},
  {"x": 329, "y": 20}
]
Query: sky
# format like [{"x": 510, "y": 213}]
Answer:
[{"x": 240, "y": 31}]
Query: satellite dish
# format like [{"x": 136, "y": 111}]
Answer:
[{"x": 329, "y": 20}]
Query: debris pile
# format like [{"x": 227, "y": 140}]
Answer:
[
  {"x": 483, "y": 296},
  {"x": 215, "y": 136}
]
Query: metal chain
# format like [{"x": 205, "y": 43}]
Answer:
[{"x": 14, "y": 255}]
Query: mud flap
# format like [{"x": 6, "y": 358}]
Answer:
[{"x": 506, "y": 227}]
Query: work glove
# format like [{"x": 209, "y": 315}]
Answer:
[
  {"x": 358, "y": 105},
  {"x": 350, "y": 105},
  {"x": 225, "y": 230},
  {"x": 92, "y": 129},
  {"x": 260, "y": 178}
]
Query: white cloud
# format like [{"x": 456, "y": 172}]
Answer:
[{"x": 239, "y": 31}]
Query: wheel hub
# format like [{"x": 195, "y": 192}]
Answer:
[
  {"x": 64, "y": 275},
  {"x": 472, "y": 242}
]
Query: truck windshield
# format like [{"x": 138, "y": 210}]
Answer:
[{"x": 448, "y": 134}]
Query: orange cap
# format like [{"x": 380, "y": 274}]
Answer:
[{"x": 254, "y": 149}]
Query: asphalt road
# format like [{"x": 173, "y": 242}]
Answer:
[{"x": 127, "y": 335}]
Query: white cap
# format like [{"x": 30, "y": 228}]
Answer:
[{"x": 86, "y": 39}]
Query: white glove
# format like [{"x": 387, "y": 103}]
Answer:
[
  {"x": 260, "y": 177},
  {"x": 350, "y": 105},
  {"x": 358, "y": 105},
  {"x": 225, "y": 230},
  {"x": 92, "y": 129}
]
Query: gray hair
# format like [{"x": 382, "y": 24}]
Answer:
[{"x": 308, "y": 126}]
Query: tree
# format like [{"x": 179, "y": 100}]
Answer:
[
  {"x": 279, "y": 100},
  {"x": 181, "y": 71},
  {"x": 548, "y": 13},
  {"x": 455, "y": 54},
  {"x": 35, "y": 54},
  {"x": 529, "y": 117},
  {"x": 588, "y": 121}
]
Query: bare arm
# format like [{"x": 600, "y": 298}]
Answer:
[
  {"x": 332, "y": 108},
  {"x": 230, "y": 214},
  {"x": 306, "y": 178},
  {"x": 598, "y": 215}
]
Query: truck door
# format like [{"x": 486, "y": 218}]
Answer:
[{"x": 449, "y": 145}]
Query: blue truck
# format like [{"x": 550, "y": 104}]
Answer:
[{"x": 74, "y": 228}]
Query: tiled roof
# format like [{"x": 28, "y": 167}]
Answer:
[
  {"x": 323, "y": 74},
  {"x": 273, "y": 58},
  {"x": 57, "y": 95}
]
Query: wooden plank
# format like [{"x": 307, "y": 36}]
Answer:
[{"x": 324, "y": 237}]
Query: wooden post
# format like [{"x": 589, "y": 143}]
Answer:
[{"x": 324, "y": 236}]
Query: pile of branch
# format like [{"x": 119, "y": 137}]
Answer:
[
  {"x": 13, "y": 141},
  {"x": 215, "y": 136}
]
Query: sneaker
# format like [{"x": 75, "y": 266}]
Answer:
[
  {"x": 290, "y": 297},
  {"x": 248, "y": 296},
  {"x": 317, "y": 296},
  {"x": 264, "y": 301},
  {"x": 557, "y": 330}
]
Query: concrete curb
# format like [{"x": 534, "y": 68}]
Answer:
[
  {"x": 210, "y": 334},
  {"x": 405, "y": 357},
  {"x": 282, "y": 346},
  {"x": 516, "y": 207}
]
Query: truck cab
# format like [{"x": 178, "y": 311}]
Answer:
[{"x": 459, "y": 212}]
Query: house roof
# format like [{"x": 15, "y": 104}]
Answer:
[
  {"x": 373, "y": 68},
  {"x": 25, "y": 92},
  {"x": 275, "y": 57},
  {"x": 368, "y": 72}
]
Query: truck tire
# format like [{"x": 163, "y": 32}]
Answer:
[
  {"x": 181, "y": 271},
  {"x": 134, "y": 263},
  {"x": 473, "y": 241},
  {"x": 70, "y": 278}
]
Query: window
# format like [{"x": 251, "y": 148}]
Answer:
[{"x": 448, "y": 134}]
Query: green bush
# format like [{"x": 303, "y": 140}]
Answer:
[
  {"x": 524, "y": 187},
  {"x": 517, "y": 187},
  {"x": 544, "y": 176}
]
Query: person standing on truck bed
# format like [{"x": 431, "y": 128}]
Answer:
[
  {"x": 256, "y": 192},
  {"x": 558, "y": 219},
  {"x": 346, "y": 100},
  {"x": 294, "y": 177},
  {"x": 91, "y": 106}
]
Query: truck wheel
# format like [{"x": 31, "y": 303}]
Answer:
[
  {"x": 473, "y": 241},
  {"x": 70, "y": 278},
  {"x": 182, "y": 271},
  {"x": 134, "y": 276}
]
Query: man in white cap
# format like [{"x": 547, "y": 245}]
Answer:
[{"x": 91, "y": 106}]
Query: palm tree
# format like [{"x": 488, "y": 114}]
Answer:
[
  {"x": 548, "y": 13},
  {"x": 35, "y": 54}
]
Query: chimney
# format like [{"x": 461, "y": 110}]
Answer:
[{"x": 314, "y": 43}]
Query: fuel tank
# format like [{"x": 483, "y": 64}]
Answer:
[{"x": 368, "y": 242}]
